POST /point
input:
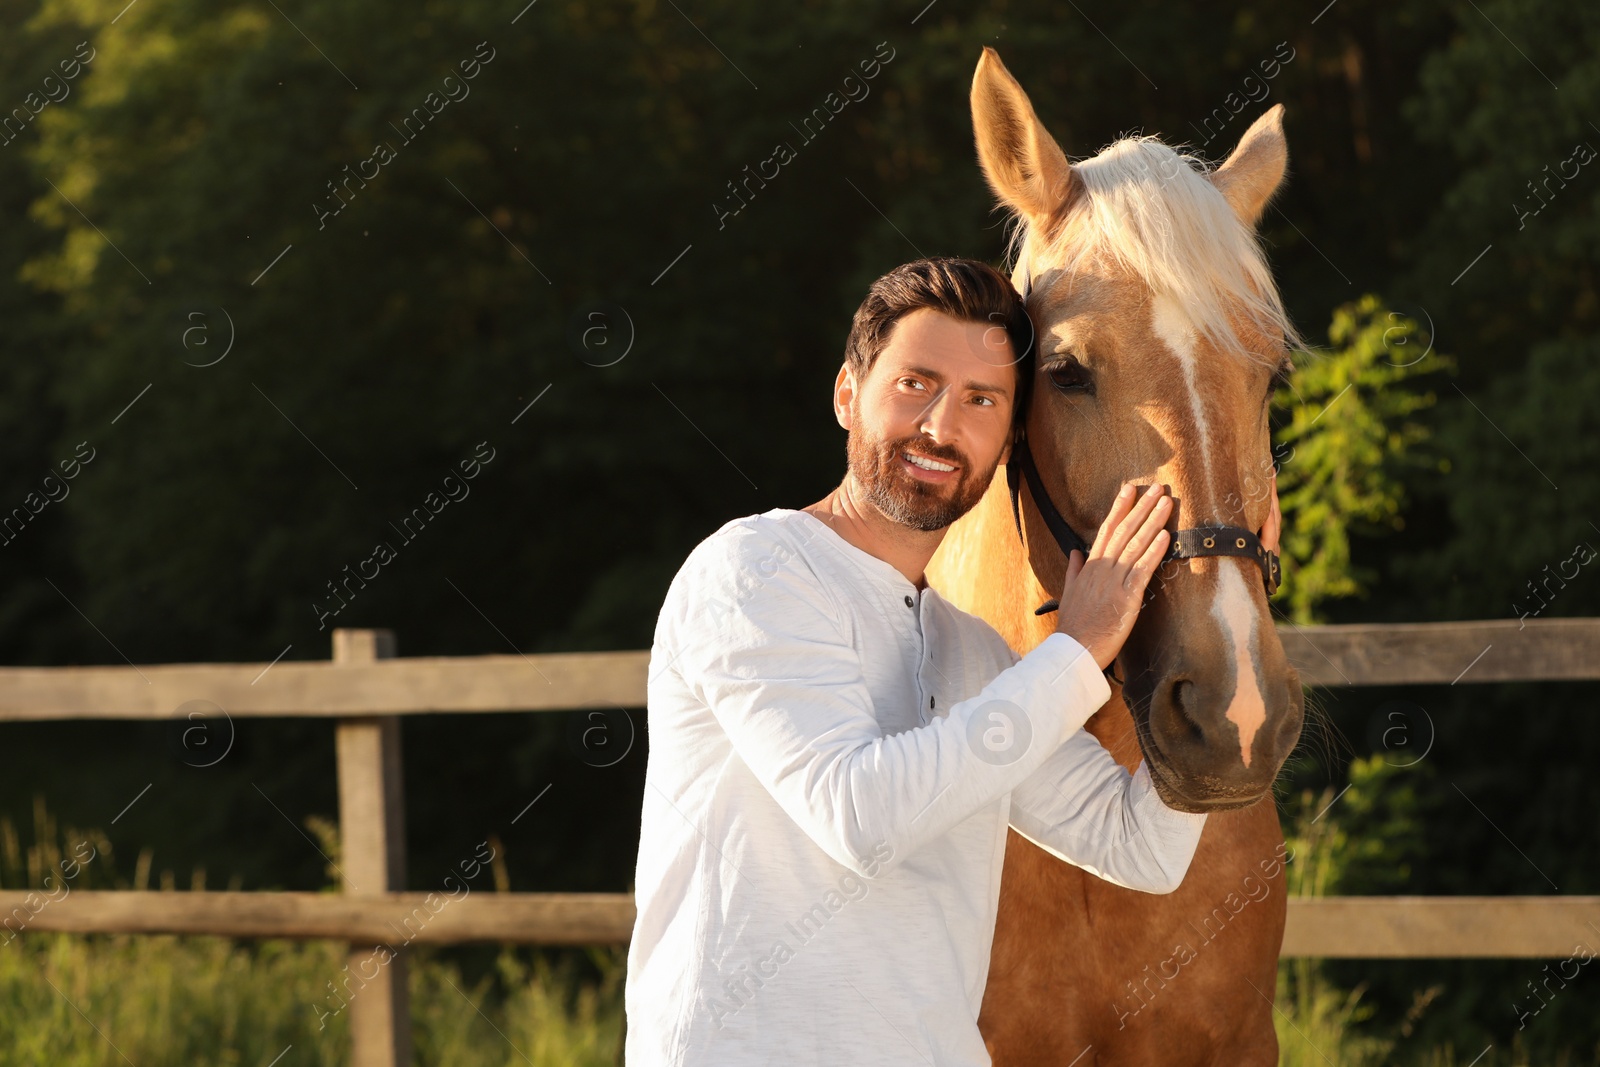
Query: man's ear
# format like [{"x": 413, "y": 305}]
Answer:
[{"x": 844, "y": 395}]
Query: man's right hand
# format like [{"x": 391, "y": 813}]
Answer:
[{"x": 1103, "y": 594}]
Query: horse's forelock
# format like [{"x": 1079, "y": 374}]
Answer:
[{"x": 1154, "y": 211}]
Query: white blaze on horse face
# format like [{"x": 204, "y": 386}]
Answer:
[
  {"x": 1236, "y": 614},
  {"x": 1233, "y": 609},
  {"x": 1175, "y": 329}
]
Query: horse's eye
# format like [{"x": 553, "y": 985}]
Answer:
[
  {"x": 1280, "y": 378},
  {"x": 1069, "y": 376}
]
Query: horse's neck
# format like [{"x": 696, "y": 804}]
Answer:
[{"x": 982, "y": 568}]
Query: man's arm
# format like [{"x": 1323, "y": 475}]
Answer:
[
  {"x": 1082, "y": 806},
  {"x": 1086, "y": 808},
  {"x": 786, "y": 684}
]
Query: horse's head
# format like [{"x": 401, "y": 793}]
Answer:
[{"x": 1160, "y": 337}]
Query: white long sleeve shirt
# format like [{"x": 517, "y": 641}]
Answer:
[{"x": 834, "y": 758}]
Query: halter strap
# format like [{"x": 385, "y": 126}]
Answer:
[
  {"x": 1186, "y": 544},
  {"x": 1021, "y": 466}
]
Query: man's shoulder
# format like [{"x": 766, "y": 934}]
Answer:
[
  {"x": 773, "y": 552},
  {"x": 779, "y": 534},
  {"x": 753, "y": 578}
]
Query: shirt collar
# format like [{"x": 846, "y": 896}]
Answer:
[{"x": 880, "y": 570}]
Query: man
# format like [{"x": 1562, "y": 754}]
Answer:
[{"x": 836, "y": 751}]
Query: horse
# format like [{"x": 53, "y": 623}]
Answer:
[{"x": 1160, "y": 336}]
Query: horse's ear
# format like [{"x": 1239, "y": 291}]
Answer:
[
  {"x": 1255, "y": 169},
  {"x": 1025, "y": 167}
]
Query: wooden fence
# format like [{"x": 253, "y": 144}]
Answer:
[{"x": 365, "y": 689}]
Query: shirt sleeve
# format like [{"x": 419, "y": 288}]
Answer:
[
  {"x": 771, "y": 660},
  {"x": 1084, "y": 807}
]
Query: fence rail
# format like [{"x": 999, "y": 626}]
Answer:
[
  {"x": 365, "y": 688},
  {"x": 1541, "y": 650},
  {"x": 1322, "y": 927}
]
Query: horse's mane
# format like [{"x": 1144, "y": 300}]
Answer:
[{"x": 1155, "y": 211}]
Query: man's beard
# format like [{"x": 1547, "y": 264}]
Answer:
[{"x": 899, "y": 495}]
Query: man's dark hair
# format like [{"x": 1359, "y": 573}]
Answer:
[{"x": 964, "y": 289}]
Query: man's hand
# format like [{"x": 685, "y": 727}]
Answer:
[{"x": 1102, "y": 595}]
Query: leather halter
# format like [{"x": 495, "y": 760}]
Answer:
[
  {"x": 1186, "y": 544},
  {"x": 1194, "y": 542}
]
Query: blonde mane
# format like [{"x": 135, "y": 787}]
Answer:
[{"x": 1154, "y": 211}]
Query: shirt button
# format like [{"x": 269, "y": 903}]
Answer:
[
  {"x": 930, "y": 702},
  {"x": 910, "y": 603}
]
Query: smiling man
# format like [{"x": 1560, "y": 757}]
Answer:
[{"x": 836, "y": 751}]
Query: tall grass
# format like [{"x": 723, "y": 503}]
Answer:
[
  {"x": 112, "y": 1000},
  {"x": 149, "y": 1001},
  {"x": 88, "y": 1001},
  {"x": 101, "y": 1000},
  {"x": 547, "y": 1020},
  {"x": 1318, "y": 1023}
]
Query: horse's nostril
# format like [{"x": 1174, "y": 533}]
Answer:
[{"x": 1183, "y": 697}]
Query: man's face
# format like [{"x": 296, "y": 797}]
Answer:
[{"x": 930, "y": 422}]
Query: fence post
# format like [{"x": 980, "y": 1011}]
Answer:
[{"x": 372, "y": 838}]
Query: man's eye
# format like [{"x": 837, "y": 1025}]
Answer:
[
  {"x": 1069, "y": 376},
  {"x": 911, "y": 381}
]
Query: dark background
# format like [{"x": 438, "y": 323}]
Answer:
[{"x": 581, "y": 173}]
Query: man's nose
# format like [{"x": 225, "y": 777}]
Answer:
[{"x": 937, "y": 418}]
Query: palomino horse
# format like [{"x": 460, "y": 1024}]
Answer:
[{"x": 1160, "y": 337}]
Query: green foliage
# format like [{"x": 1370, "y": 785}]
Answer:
[
  {"x": 1368, "y": 839},
  {"x": 548, "y": 1018},
  {"x": 1344, "y": 842},
  {"x": 415, "y": 323},
  {"x": 1354, "y": 436},
  {"x": 90, "y": 1001},
  {"x": 1360, "y": 840},
  {"x": 1507, "y": 264},
  {"x": 83, "y": 859},
  {"x": 104, "y": 1001},
  {"x": 1526, "y": 502},
  {"x": 1383, "y": 818},
  {"x": 1318, "y": 1023}
]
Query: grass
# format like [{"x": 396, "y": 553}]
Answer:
[
  {"x": 1316, "y": 1022},
  {"x": 113, "y": 1000},
  {"x": 138, "y": 1001}
]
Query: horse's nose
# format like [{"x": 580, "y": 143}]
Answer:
[{"x": 1197, "y": 740}]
